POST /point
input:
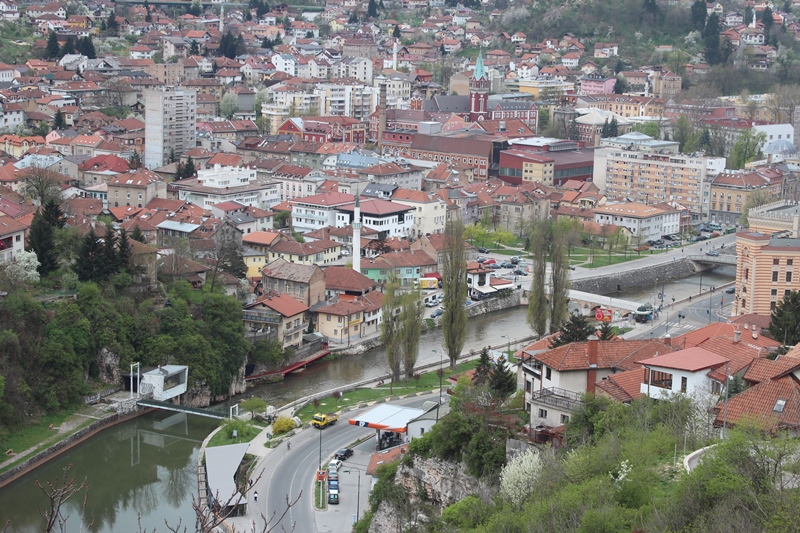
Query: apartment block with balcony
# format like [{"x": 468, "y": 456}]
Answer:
[
  {"x": 655, "y": 177},
  {"x": 12, "y": 238},
  {"x": 767, "y": 269},
  {"x": 170, "y": 119}
]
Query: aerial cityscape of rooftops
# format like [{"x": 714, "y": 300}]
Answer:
[{"x": 480, "y": 234}]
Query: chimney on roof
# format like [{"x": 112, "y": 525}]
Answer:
[
  {"x": 737, "y": 336},
  {"x": 755, "y": 333},
  {"x": 668, "y": 340}
]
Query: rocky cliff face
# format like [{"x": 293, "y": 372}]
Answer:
[
  {"x": 108, "y": 363},
  {"x": 199, "y": 395},
  {"x": 444, "y": 482}
]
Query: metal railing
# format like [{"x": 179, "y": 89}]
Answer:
[{"x": 557, "y": 397}]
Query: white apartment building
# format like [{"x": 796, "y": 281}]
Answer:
[
  {"x": 359, "y": 68},
  {"x": 645, "y": 222},
  {"x": 346, "y": 99},
  {"x": 223, "y": 184},
  {"x": 170, "y": 117},
  {"x": 318, "y": 211},
  {"x": 387, "y": 218},
  {"x": 652, "y": 177},
  {"x": 398, "y": 91},
  {"x": 430, "y": 212}
]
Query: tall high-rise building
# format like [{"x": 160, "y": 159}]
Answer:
[{"x": 170, "y": 116}]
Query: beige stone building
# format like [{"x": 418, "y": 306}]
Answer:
[
  {"x": 767, "y": 269},
  {"x": 135, "y": 189}
]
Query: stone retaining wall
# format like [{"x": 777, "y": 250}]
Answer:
[{"x": 637, "y": 279}]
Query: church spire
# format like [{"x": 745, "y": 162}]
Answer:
[{"x": 480, "y": 71}]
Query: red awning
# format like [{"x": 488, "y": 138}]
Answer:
[{"x": 434, "y": 275}]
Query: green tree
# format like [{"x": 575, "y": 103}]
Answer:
[
  {"x": 88, "y": 264},
  {"x": 454, "y": 279},
  {"x": 137, "y": 235},
  {"x": 502, "y": 380},
  {"x": 173, "y": 156},
  {"x": 372, "y": 9},
  {"x": 68, "y": 47},
  {"x": 648, "y": 128},
  {"x": 40, "y": 241},
  {"x": 606, "y": 331},
  {"x": 52, "y": 50},
  {"x": 396, "y": 31},
  {"x": 683, "y": 133},
  {"x": 135, "y": 161},
  {"x": 53, "y": 215},
  {"x": 229, "y": 105},
  {"x": 755, "y": 198},
  {"x": 124, "y": 252},
  {"x": 711, "y": 39},
  {"x": 766, "y": 20},
  {"x": 112, "y": 26},
  {"x": 281, "y": 219},
  {"x": 538, "y": 305},
  {"x": 613, "y": 127},
  {"x": 189, "y": 169},
  {"x": 699, "y": 14},
  {"x": 390, "y": 338},
  {"x": 585, "y": 420},
  {"x": 484, "y": 368},
  {"x": 576, "y": 329},
  {"x": 410, "y": 330},
  {"x": 746, "y": 148},
  {"x": 785, "y": 318},
  {"x": 194, "y": 48},
  {"x": 59, "y": 122},
  {"x": 559, "y": 277},
  {"x": 252, "y": 405}
]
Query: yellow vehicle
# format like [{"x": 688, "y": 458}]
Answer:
[{"x": 322, "y": 421}]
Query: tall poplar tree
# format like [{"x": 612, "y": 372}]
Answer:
[{"x": 454, "y": 279}]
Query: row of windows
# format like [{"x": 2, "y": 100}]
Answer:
[{"x": 788, "y": 276}]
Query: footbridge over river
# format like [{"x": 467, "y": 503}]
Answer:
[
  {"x": 721, "y": 259},
  {"x": 588, "y": 303},
  {"x": 168, "y": 406}
]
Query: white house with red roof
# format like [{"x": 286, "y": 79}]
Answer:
[
  {"x": 12, "y": 238},
  {"x": 390, "y": 219},
  {"x": 318, "y": 211},
  {"x": 685, "y": 371},
  {"x": 277, "y": 316}
]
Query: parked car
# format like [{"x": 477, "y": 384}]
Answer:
[
  {"x": 506, "y": 264},
  {"x": 483, "y": 250},
  {"x": 713, "y": 253},
  {"x": 515, "y": 259},
  {"x": 333, "y": 497},
  {"x": 433, "y": 302},
  {"x": 333, "y": 475},
  {"x": 333, "y": 485},
  {"x": 641, "y": 248},
  {"x": 730, "y": 290},
  {"x": 345, "y": 251},
  {"x": 481, "y": 259},
  {"x": 334, "y": 464},
  {"x": 519, "y": 272},
  {"x": 489, "y": 262},
  {"x": 494, "y": 266},
  {"x": 666, "y": 237},
  {"x": 343, "y": 453},
  {"x": 436, "y": 313}
]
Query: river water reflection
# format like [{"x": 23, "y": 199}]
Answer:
[{"x": 144, "y": 467}]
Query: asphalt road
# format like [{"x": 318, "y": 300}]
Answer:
[
  {"x": 290, "y": 471},
  {"x": 712, "y": 306}
]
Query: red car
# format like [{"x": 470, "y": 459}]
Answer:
[{"x": 489, "y": 262}]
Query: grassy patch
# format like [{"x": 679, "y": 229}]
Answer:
[
  {"x": 427, "y": 382},
  {"x": 320, "y": 496},
  {"x": 245, "y": 433}
]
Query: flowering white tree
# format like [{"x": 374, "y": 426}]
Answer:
[
  {"x": 24, "y": 269},
  {"x": 519, "y": 476}
]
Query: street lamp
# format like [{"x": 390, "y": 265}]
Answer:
[
  {"x": 358, "y": 498},
  {"x": 441, "y": 373},
  {"x": 506, "y": 337}
]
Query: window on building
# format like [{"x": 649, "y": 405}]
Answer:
[
  {"x": 772, "y": 305},
  {"x": 684, "y": 383},
  {"x": 776, "y": 261},
  {"x": 542, "y": 413},
  {"x": 548, "y": 374},
  {"x": 774, "y": 292},
  {"x": 564, "y": 419},
  {"x": 774, "y": 276},
  {"x": 788, "y": 277},
  {"x": 789, "y": 262}
]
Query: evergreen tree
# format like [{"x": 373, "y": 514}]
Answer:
[
  {"x": 711, "y": 40},
  {"x": 484, "y": 368},
  {"x": 239, "y": 48},
  {"x": 606, "y": 331},
  {"x": 68, "y": 48},
  {"x": 103, "y": 26},
  {"x": 705, "y": 140},
  {"x": 194, "y": 48},
  {"x": 112, "y": 24},
  {"x": 613, "y": 127},
  {"x": 109, "y": 257},
  {"x": 699, "y": 14},
  {"x": 124, "y": 252},
  {"x": 135, "y": 161},
  {"x": 52, "y": 50},
  {"x": 40, "y": 241},
  {"x": 86, "y": 47},
  {"x": 501, "y": 380},
  {"x": 573, "y": 130},
  {"x": 189, "y": 170},
  {"x": 148, "y": 17},
  {"x": 59, "y": 122},
  {"x": 576, "y": 329},
  {"x": 88, "y": 263},
  {"x": 604, "y": 131},
  {"x": 137, "y": 235},
  {"x": 396, "y": 32},
  {"x": 766, "y": 20},
  {"x": 248, "y": 16},
  {"x": 372, "y": 9},
  {"x": 267, "y": 43},
  {"x": 179, "y": 172},
  {"x": 172, "y": 156},
  {"x": 53, "y": 214},
  {"x": 785, "y": 318}
]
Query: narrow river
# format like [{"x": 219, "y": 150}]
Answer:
[{"x": 146, "y": 467}]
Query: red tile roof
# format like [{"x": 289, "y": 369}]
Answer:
[
  {"x": 718, "y": 329},
  {"x": 281, "y": 303},
  {"x": 617, "y": 354},
  {"x": 690, "y": 360},
  {"x": 766, "y": 369},
  {"x": 346, "y": 279},
  {"x": 625, "y": 386},
  {"x": 761, "y": 403}
]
